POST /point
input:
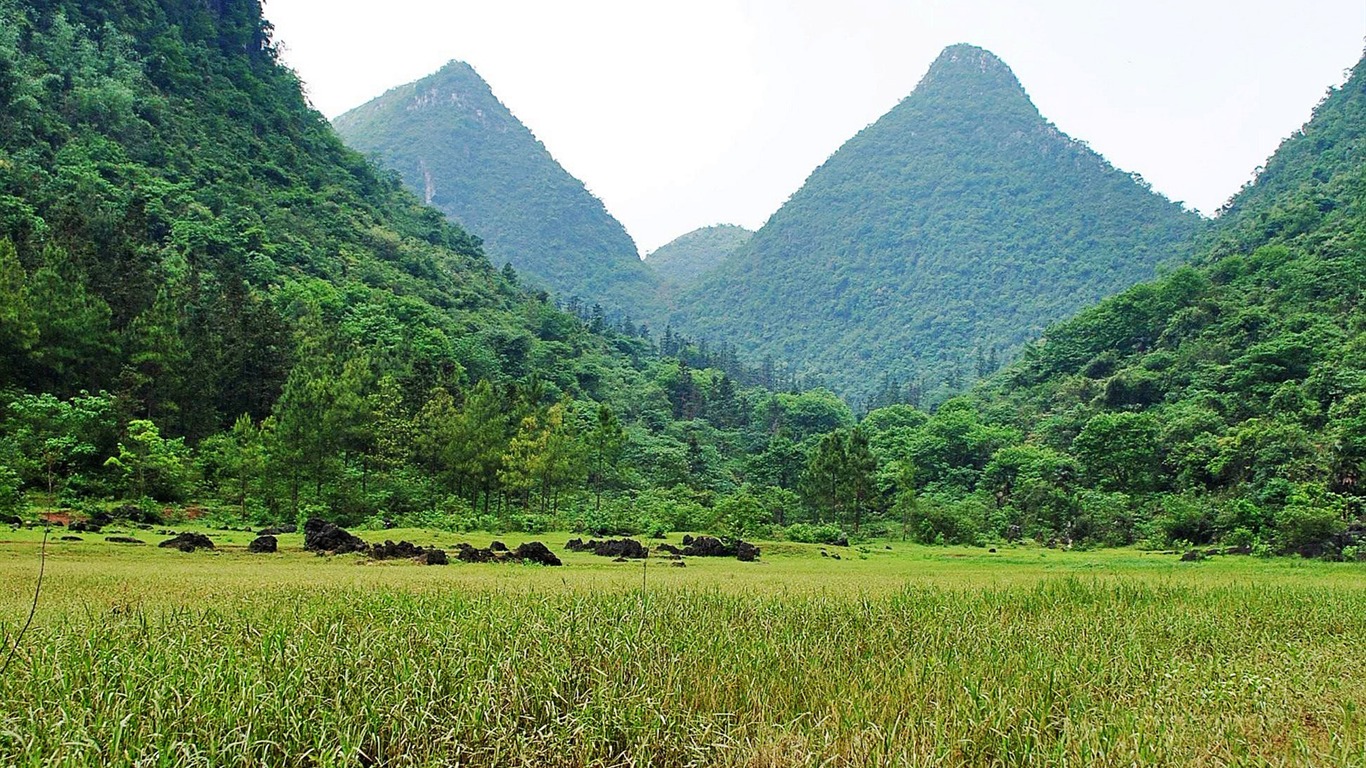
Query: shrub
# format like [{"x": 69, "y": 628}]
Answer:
[{"x": 1307, "y": 529}]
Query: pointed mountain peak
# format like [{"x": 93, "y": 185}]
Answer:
[{"x": 964, "y": 67}]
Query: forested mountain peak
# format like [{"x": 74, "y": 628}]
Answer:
[
  {"x": 463, "y": 151},
  {"x": 967, "y": 68},
  {"x": 937, "y": 241},
  {"x": 688, "y": 257}
]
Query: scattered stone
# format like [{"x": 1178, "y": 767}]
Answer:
[
  {"x": 276, "y": 530},
  {"x": 835, "y": 557},
  {"x": 188, "y": 542},
  {"x": 498, "y": 546},
  {"x": 679, "y": 564},
  {"x": 620, "y": 560},
  {"x": 405, "y": 550},
  {"x": 263, "y": 545},
  {"x": 72, "y": 538},
  {"x": 1245, "y": 550},
  {"x": 627, "y": 548},
  {"x": 992, "y": 550},
  {"x": 466, "y": 553},
  {"x": 671, "y": 549},
  {"x": 535, "y": 552},
  {"x": 1193, "y": 556},
  {"x": 889, "y": 548},
  {"x": 841, "y": 541},
  {"x": 687, "y": 540},
  {"x": 10, "y": 520},
  {"x": 709, "y": 546},
  {"x": 824, "y": 553},
  {"x": 746, "y": 552},
  {"x": 123, "y": 540},
  {"x": 322, "y": 536},
  {"x": 84, "y": 527}
]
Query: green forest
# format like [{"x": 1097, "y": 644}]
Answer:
[
  {"x": 687, "y": 258},
  {"x": 938, "y": 241},
  {"x": 207, "y": 300},
  {"x": 459, "y": 148}
]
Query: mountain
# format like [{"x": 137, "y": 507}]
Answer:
[
  {"x": 948, "y": 233},
  {"x": 687, "y": 258},
  {"x": 179, "y": 228},
  {"x": 1225, "y": 400},
  {"x": 462, "y": 151}
]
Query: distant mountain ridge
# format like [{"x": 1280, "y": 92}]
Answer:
[
  {"x": 951, "y": 231},
  {"x": 458, "y": 147},
  {"x": 687, "y": 258}
]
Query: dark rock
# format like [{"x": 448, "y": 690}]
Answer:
[
  {"x": 709, "y": 546},
  {"x": 671, "y": 549},
  {"x": 405, "y": 550},
  {"x": 187, "y": 542},
  {"x": 535, "y": 552},
  {"x": 824, "y": 553},
  {"x": 10, "y": 520},
  {"x": 620, "y": 560},
  {"x": 1245, "y": 550},
  {"x": 498, "y": 546},
  {"x": 530, "y": 552},
  {"x": 469, "y": 554},
  {"x": 263, "y": 545},
  {"x": 84, "y": 527},
  {"x": 276, "y": 530},
  {"x": 746, "y": 552},
  {"x": 839, "y": 541},
  {"x": 322, "y": 536},
  {"x": 679, "y": 564},
  {"x": 123, "y": 540},
  {"x": 687, "y": 540},
  {"x": 1193, "y": 556},
  {"x": 889, "y": 548},
  {"x": 992, "y": 550},
  {"x": 835, "y": 556},
  {"x": 72, "y": 538},
  {"x": 628, "y": 548}
]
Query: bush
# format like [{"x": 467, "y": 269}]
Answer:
[
  {"x": 815, "y": 534},
  {"x": 936, "y": 522},
  {"x": 1307, "y": 529},
  {"x": 11, "y": 500}
]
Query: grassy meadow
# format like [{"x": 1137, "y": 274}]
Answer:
[{"x": 887, "y": 657}]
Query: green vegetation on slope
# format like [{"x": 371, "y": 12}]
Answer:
[
  {"x": 687, "y": 258},
  {"x": 459, "y": 148},
  {"x": 948, "y": 233},
  {"x": 1225, "y": 401}
]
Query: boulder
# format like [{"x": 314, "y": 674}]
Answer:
[
  {"x": 187, "y": 542},
  {"x": 535, "y": 552},
  {"x": 123, "y": 540},
  {"x": 746, "y": 552},
  {"x": 263, "y": 545},
  {"x": 322, "y": 536}
]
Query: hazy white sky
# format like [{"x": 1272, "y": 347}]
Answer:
[{"x": 685, "y": 113}]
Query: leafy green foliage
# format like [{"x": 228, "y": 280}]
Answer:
[
  {"x": 938, "y": 241},
  {"x": 688, "y": 258},
  {"x": 459, "y": 148}
]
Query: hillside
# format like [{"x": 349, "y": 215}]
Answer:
[
  {"x": 689, "y": 257},
  {"x": 1223, "y": 401},
  {"x": 462, "y": 151},
  {"x": 943, "y": 236}
]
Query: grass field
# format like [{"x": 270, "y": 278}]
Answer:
[{"x": 907, "y": 656}]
